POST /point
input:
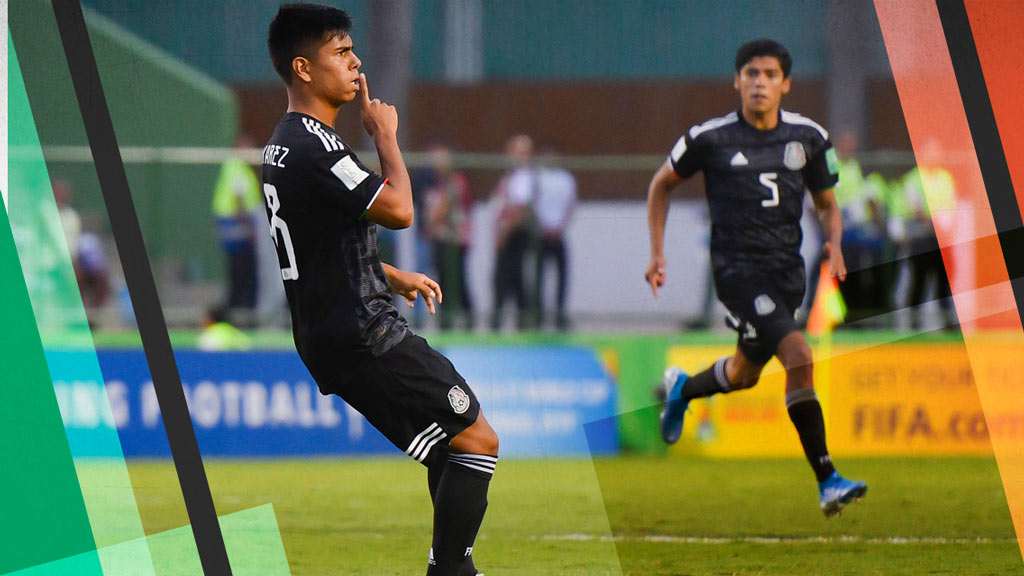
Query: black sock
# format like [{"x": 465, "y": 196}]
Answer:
[
  {"x": 436, "y": 470},
  {"x": 805, "y": 412},
  {"x": 434, "y": 473},
  {"x": 711, "y": 381},
  {"x": 459, "y": 506}
]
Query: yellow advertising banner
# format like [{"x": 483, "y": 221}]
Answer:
[{"x": 889, "y": 399}]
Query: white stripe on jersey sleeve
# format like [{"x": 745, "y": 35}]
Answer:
[
  {"x": 794, "y": 118},
  {"x": 712, "y": 124},
  {"x": 374, "y": 197},
  {"x": 313, "y": 128},
  {"x": 335, "y": 145},
  {"x": 678, "y": 150}
]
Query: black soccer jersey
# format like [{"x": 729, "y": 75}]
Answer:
[
  {"x": 317, "y": 194},
  {"x": 755, "y": 182}
]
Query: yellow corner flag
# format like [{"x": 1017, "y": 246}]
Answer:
[{"x": 828, "y": 309}]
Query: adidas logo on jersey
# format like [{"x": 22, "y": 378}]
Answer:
[{"x": 739, "y": 160}]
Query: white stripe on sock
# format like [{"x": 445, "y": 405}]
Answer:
[
  {"x": 486, "y": 463},
  {"x": 482, "y": 457},
  {"x": 801, "y": 395},
  {"x": 721, "y": 378},
  {"x": 489, "y": 471}
]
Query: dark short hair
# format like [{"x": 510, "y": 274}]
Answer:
[
  {"x": 764, "y": 47},
  {"x": 300, "y": 28}
]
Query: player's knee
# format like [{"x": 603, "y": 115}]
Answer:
[
  {"x": 479, "y": 438},
  {"x": 489, "y": 443},
  {"x": 742, "y": 373},
  {"x": 801, "y": 358},
  {"x": 794, "y": 352},
  {"x": 746, "y": 380}
]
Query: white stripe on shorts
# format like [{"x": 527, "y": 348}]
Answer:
[
  {"x": 416, "y": 440},
  {"x": 428, "y": 441},
  {"x": 426, "y": 449}
]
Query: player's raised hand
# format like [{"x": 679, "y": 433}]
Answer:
[
  {"x": 655, "y": 274},
  {"x": 378, "y": 118},
  {"x": 836, "y": 262}
]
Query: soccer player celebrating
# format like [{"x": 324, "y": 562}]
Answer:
[
  {"x": 324, "y": 207},
  {"x": 758, "y": 163}
]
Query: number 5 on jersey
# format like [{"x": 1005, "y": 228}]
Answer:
[
  {"x": 291, "y": 272},
  {"x": 767, "y": 179}
]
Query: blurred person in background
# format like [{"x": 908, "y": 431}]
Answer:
[
  {"x": 91, "y": 270},
  {"x": 514, "y": 231},
  {"x": 554, "y": 203},
  {"x": 219, "y": 335},
  {"x": 88, "y": 258},
  {"x": 928, "y": 197},
  {"x": 70, "y": 221},
  {"x": 449, "y": 210},
  {"x": 423, "y": 180},
  {"x": 759, "y": 163},
  {"x": 861, "y": 202},
  {"x": 237, "y": 200}
]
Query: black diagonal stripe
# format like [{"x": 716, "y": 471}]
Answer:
[
  {"x": 987, "y": 144},
  {"x": 139, "y": 278}
]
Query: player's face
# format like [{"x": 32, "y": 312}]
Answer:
[
  {"x": 335, "y": 71},
  {"x": 761, "y": 85}
]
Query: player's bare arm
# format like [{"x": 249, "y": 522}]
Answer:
[
  {"x": 664, "y": 180},
  {"x": 393, "y": 208},
  {"x": 410, "y": 285},
  {"x": 832, "y": 228}
]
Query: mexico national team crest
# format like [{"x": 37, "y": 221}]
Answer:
[
  {"x": 458, "y": 399},
  {"x": 763, "y": 305},
  {"x": 794, "y": 157}
]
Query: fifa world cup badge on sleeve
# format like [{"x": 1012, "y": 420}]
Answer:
[
  {"x": 458, "y": 399},
  {"x": 794, "y": 157}
]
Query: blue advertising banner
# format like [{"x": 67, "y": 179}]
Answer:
[
  {"x": 538, "y": 399},
  {"x": 267, "y": 404}
]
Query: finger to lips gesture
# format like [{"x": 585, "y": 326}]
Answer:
[{"x": 377, "y": 117}]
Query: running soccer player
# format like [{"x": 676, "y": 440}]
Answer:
[
  {"x": 324, "y": 207},
  {"x": 758, "y": 163}
]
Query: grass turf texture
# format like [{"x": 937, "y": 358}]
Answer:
[{"x": 628, "y": 515}]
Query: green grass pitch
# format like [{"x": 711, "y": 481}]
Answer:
[{"x": 671, "y": 515}]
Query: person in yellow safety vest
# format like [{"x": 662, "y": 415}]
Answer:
[
  {"x": 928, "y": 201},
  {"x": 219, "y": 335},
  {"x": 236, "y": 199},
  {"x": 860, "y": 201}
]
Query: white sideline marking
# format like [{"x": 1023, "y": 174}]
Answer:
[{"x": 774, "y": 539}]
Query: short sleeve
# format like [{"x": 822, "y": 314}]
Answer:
[
  {"x": 686, "y": 156},
  {"x": 822, "y": 171},
  {"x": 345, "y": 182}
]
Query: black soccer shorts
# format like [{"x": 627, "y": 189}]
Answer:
[
  {"x": 762, "y": 313},
  {"x": 414, "y": 397}
]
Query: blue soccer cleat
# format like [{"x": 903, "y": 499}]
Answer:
[
  {"x": 836, "y": 492},
  {"x": 675, "y": 407}
]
